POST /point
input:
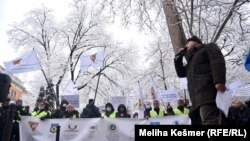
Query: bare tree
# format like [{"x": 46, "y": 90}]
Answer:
[
  {"x": 218, "y": 21},
  {"x": 40, "y": 32},
  {"x": 210, "y": 20},
  {"x": 60, "y": 46},
  {"x": 117, "y": 69}
]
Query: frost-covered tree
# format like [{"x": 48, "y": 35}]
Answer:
[
  {"x": 41, "y": 95},
  {"x": 60, "y": 45},
  {"x": 223, "y": 22},
  {"x": 47, "y": 95}
]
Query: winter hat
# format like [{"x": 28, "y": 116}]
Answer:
[{"x": 194, "y": 38}]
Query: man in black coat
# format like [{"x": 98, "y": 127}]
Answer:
[
  {"x": 206, "y": 74},
  {"x": 90, "y": 111}
]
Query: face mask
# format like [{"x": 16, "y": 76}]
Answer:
[
  {"x": 64, "y": 105},
  {"x": 108, "y": 109}
]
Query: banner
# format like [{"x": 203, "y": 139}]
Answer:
[
  {"x": 170, "y": 95},
  {"x": 94, "y": 60},
  {"x": 183, "y": 82},
  {"x": 72, "y": 99},
  {"x": 141, "y": 102},
  {"x": 153, "y": 89},
  {"x": 117, "y": 100},
  {"x": 242, "y": 91},
  {"x": 25, "y": 63},
  {"x": 90, "y": 129},
  {"x": 70, "y": 94},
  {"x": 235, "y": 85}
]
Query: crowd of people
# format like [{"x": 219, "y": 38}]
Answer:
[{"x": 239, "y": 113}]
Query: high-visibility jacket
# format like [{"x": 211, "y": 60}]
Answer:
[
  {"x": 179, "y": 112},
  {"x": 153, "y": 113},
  {"x": 40, "y": 114},
  {"x": 110, "y": 116},
  {"x": 17, "y": 120},
  {"x": 74, "y": 114}
]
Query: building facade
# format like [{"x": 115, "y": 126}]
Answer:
[{"x": 17, "y": 90}]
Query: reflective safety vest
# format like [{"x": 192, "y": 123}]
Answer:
[
  {"x": 153, "y": 113},
  {"x": 178, "y": 112},
  {"x": 110, "y": 116},
  {"x": 74, "y": 116},
  {"x": 18, "y": 113},
  {"x": 41, "y": 114}
]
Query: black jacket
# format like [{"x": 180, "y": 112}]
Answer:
[
  {"x": 90, "y": 111},
  {"x": 71, "y": 114}
]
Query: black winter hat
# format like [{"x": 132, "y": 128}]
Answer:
[
  {"x": 195, "y": 38},
  {"x": 91, "y": 100}
]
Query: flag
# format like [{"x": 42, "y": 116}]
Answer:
[
  {"x": 129, "y": 107},
  {"x": 69, "y": 89},
  {"x": 247, "y": 62},
  {"x": 153, "y": 90},
  {"x": 95, "y": 60},
  {"x": 25, "y": 63},
  {"x": 141, "y": 102},
  {"x": 70, "y": 94}
]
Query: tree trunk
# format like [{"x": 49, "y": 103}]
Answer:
[
  {"x": 174, "y": 23},
  {"x": 162, "y": 69},
  {"x": 57, "y": 96}
]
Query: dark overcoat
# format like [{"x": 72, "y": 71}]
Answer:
[{"x": 205, "y": 67}]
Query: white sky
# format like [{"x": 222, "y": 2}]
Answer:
[{"x": 14, "y": 10}]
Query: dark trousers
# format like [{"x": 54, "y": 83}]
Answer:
[
  {"x": 210, "y": 114},
  {"x": 207, "y": 114},
  {"x": 195, "y": 117},
  {"x": 15, "y": 132}
]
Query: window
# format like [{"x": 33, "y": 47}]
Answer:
[{"x": 13, "y": 93}]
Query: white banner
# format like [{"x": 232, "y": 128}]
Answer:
[
  {"x": 72, "y": 99},
  {"x": 69, "y": 89},
  {"x": 92, "y": 129},
  {"x": 25, "y": 63},
  {"x": 242, "y": 91},
  {"x": 70, "y": 94},
  {"x": 183, "y": 82},
  {"x": 170, "y": 95},
  {"x": 153, "y": 90},
  {"x": 141, "y": 103},
  {"x": 235, "y": 85},
  {"x": 117, "y": 100}
]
